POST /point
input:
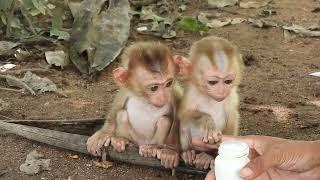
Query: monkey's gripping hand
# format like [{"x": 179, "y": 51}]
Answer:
[
  {"x": 169, "y": 157},
  {"x": 119, "y": 143},
  {"x": 97, "y": 141},
  {"x": 148, "y": 150},
  {"x": 210, "y": 133},
  {"x": 188, "y": 157},
  {"x": 203, "y": 161}
]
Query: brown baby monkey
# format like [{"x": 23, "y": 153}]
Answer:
[
  {"x": 143, "y": 112},
  {"x": 210, "y": 102}
]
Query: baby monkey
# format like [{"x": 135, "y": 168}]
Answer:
[
  {"x": 143, "y": 110},
  {"x": 210, "y": 102}
]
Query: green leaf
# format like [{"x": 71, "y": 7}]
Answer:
[
  {"x": 57, "y": 19},
  {"x": 38, "y": 4},
  {"x": 57, "y": 25},
  {"x": 34, "y": 12},
  {"x": 27, "y": 4},
  {"x": 5, "y": 5},
  {"x": 3, "y": 19},
  {"x": 190, "y": 24},
  {"x": 61, "y": 34}
]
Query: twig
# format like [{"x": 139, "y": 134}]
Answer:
[
  {"x": 61, "y": 121},
  {"x": 6, "y": 117},
  {"x": 9, "y": 18},
  {"x": 60, "y": 93},
  {"x": 25, "y": 15},
  {"x": 142, "y": 3},
  {"x": 12, "y": 90},
  {"x": 20, "y": 71},
  {"x": 18, "y": 82}
]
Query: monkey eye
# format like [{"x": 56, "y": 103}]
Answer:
[
  {"x": 229, "y": 81},
  {"x": 169, "y": 84},
  {"x": 154, "y": 88},
  {"x": 213, "y": 82}
]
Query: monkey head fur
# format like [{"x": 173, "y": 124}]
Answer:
[{"x": 148, "y": 71}]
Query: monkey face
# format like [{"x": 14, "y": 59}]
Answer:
[
  {"x": 157, "y": 87},
  {"x": 160, "y": 94},
  {"x": 219, "y": 84}
]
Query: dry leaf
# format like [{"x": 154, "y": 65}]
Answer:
[
  {"x": 215, "y": 23},
  {"x": 222, "y": 3},
  {"x": 74, "y": 156},
  {"x": 103, "y": 164},
  {"x": 57, "y": 58},
  {"x": 237, "y": 20},
  {"x": 254, "y": 4},
  {"x": 302, "y": 31}
]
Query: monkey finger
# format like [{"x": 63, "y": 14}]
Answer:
[
  {"x": 217, "y": 136},
  {"x": 123, "y": 146},
  {"x": 140, "y": 151},
  {"x": 212, "y": 164},
  {"x": 163, "y": 159},
  {"x": 176, "y": 161},
  {"x": 169, "y": 162},
  {"x": 193, "y": 154},
  {"x": 107, "y": 142},
  {"x": 154, "y": 152},
  {"x": 205, "y": 136},
  {"x": 172, "y": 161},
  {"x": 150, "y": 151},
  {"x": 189, "y": 155},
  {"x": 196, "y": 162},
  {"x": 159, "y": 153},
  {"x": 185, "y": 158},
  {"x": 207, "y": 164}
]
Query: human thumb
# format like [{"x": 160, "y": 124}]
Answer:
[{"x": 257, "y": 166}]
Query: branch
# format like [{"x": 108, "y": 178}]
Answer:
[{"x": 77, "y": 143}]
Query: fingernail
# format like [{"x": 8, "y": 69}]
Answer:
[{"x": 246, "y": 172}]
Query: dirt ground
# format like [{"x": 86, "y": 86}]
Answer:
[{"x": 277, "y": 98}]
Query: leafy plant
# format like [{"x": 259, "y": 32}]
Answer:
[
  {"x": 190, "y": 24},
  {"x": 31, "y": 11}
]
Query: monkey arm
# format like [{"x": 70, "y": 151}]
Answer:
[
  {"x": 232, "y": 114},
  {"x": 185, "y": 137},
  {"x": 118, "y": 104}
]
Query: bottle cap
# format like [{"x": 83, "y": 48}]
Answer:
[{"x": 233, "y": 149}]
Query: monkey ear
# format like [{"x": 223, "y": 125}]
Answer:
[
  {"x": 120, "y": 75},
  {"x": 184, "y": 64}
]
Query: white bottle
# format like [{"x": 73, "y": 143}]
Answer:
[{"x": 233, "y": 156}]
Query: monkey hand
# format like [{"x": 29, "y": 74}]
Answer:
[
  {"x": 148, "y": 150},
  {"x": 203, "y": 161},
  {"x": 211, "y": 134},
  {"x": 97, "y": 141},
  {"x": 169, "y": 157},
  {"x": 188, "y": 156},
  {"x": 119, "y": 143}
]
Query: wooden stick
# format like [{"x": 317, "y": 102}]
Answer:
[
  {"x": 58, "y": 121},
  {"x": 77, "y": 143},
  {"x": 76, "y": 126}
]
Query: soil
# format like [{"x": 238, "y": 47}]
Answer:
[{"x": 277, "y": 99}]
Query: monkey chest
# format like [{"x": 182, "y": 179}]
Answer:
[
  {"x": 216, "y": 111},
  {"x": 143, "y": 116}
]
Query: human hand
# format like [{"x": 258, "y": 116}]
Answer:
[{"x": 276, "y": 158}]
